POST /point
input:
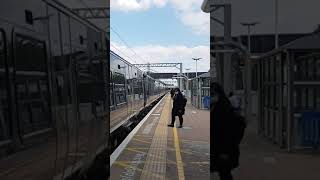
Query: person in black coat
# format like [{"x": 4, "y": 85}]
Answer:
[
  {"x": 172, "y": 93},
  {"x": 178, "y": 108},
  {"x": 224, "y": 142}
]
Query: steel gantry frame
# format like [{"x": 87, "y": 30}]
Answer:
[
  {"x": 176, "y": 65},
  {"x": 93, "y": 13},
  {"x": 224, "y": 72}
]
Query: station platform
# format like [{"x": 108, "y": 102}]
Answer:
[{"x": 155, "y": 151}]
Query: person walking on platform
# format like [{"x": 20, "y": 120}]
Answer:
[
  {"x": 178, "y": 108},
  {"x": 227, "y": 131},
  {"x": 172, "y": 93}
]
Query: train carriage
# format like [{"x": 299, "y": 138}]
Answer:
[
  {"x": 50, "y": 61},
  {"x": 54, "y": 96},
  {"x": 130, "y": 90}
]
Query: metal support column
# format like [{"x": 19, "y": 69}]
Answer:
[
  {"x": 227, "y": 68},
  {"x": 181, "y": 79}
]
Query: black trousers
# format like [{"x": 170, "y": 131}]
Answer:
[
  {"x": 174, "y": 119},
  {"x": 225, "y": 175}
]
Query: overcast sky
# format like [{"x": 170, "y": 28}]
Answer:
[
  {"x": 166, "y": 30},
  {"x": 161, "y": 31}
]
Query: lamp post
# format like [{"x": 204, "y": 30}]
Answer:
[
  {"x": 276, "y": 23},
  {"x": 187, "y": 69},
  {"x": 249, "y": 24},
  {"x": 196, "y": 59},
  {"x": 248, "y": 72}
]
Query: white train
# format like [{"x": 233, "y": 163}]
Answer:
[
  {"x": 53, "y": 92},
  {"x": 54, "y": 96}
]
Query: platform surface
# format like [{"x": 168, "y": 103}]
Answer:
[{"x": 157, "y": 151}]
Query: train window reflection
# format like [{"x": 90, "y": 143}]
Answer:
[
  {"x": 30, "y": 54},
  {"x": 111, "y": 91},
  {"x": 30, "y": 63},
  {"x": 119, "y": 88}
]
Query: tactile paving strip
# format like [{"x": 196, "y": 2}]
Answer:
[{"x": 157, "y": 152}]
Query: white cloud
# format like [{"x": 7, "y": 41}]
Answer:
[
  {"x": 188, "y": 11},
  {"x": 136, "y": 5},
  {"x": 166, "y": 54}
]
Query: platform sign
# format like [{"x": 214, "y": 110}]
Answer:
[{"x": 311, "y": 129}]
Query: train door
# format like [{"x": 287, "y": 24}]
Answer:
[
  {"x": 129, "y": 80},
  {"x": 145, "y": 97},
  {"x": 31, "y": 86},
  {"x": 111, "y": 93},
  {"x": 32, "y": 101},
  {"x": 63, "y": 81}
]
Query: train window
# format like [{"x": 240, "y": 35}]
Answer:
[
  {"x": 4, "y": 119},
  {"x": 28, "y": 17},
  {"x": 119, "y": 88},
  {"x": 31, "y": 84},
  {"x": 111, "y": 90},
  {"x": 30, "y": 54}
]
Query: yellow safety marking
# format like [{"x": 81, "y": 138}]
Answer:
[
  {"x": 135, "y": 150},
  {"x": 178, "y": 155},
  {"x": 192, "y": 141},
  {"x": 141, "y": 140},
  {"x": 144, "y": 136},
  {"x": 168, "y": 149},
  {"x": 124, "y": 164},
  {"x": 158, "y": 147},
  {"x": 164, "y": 162},
  {"x": 159, "y": 162},
  {"x": 199, "y": 163}
]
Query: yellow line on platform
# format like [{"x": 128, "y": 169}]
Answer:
[
  {"x": 178, "y": 155},
  {"x": 126, "y": 165},
  {"x": 157, "y": 151},
  {"x": 141, "y": 140}
]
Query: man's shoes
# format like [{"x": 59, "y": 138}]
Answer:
[
  {"x": 180, "y": 126},
  {"x": 170, "y": 125}
]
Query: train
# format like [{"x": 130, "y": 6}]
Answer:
[
  {"x": 59, "y": 91},
  {"x": 130, "y": 90}
]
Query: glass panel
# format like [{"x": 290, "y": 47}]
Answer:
[
  {"x": 311, "y": 98},
  {"x": 119, "y": 90},
  {"x": 111, "y": 90},
  {"x": 303, "y": 98},
  {"x": 30, "y": 71},
  {"x": 60, "y": 87}
]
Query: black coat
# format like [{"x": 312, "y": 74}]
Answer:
[
  {"x": 172, "y": 92},
  {"x": 223, "y": 140},
  {"x": 178, "y": 101}
]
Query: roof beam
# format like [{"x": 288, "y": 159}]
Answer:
[{"x": 93, "y": 13}]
